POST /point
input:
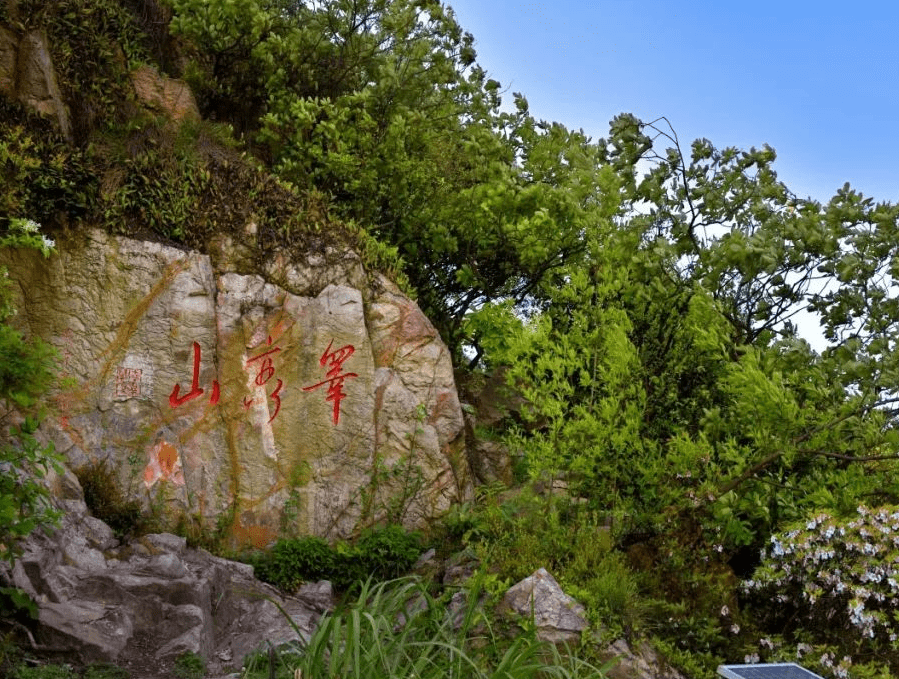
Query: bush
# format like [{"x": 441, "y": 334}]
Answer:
[
  {"x": 106, "y": 501},
  {"x": 388, "y": 552},
  {"x": 839, "y": 578},
  {"x": 26, "y": 371},
  {"x": 381, "y": 553},
  {"x": 189, "y": 665},
  {"x": 290, "y": 562}
]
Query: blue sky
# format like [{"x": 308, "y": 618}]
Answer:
[{"x": 818, "y": 81}]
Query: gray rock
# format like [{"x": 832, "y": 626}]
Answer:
[
  {"x": 642, "y": 663},
  {"x": 189, "y": 380},
  {"x": 27, "y": 74},
  {"x": 166, "y": 566},
  {"x": 317, "y": 595},
  {"x": 98, "y": 534},
  {"x": 96, "y": 632},
  {"x": 146, "y": 610},
  {"x": 165, "y": 542},
  {"x": 460, "y": 567},
  {"x": 557, "y": 617}
]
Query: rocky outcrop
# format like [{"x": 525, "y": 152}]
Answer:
[
  {"x": 225, "y": 398},
  {"x": 639, "y": 662},
  {"x": 142, "y": 604},
  {"x": 557, "y": 617},
  {"x": 164, "y": 95},
  {"x": 27, "y": 75}
]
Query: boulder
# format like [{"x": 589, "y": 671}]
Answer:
[
  {"x": 143, "y": 604},
  {"x": 239, "y": 403},
  {"x": 640, "y": 663},
  {"x": 557, "y": 617},
  {"x": 27, "y": 75},
  {"x": 173, "y": 98}
]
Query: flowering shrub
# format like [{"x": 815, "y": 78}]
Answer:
[{"x": 837, "y": 578}]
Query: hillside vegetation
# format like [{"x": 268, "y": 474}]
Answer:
[{"x": 709, "y": 479}]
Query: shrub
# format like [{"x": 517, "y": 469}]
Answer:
[
  {"x": 26, "y": 371},
  {"x": 290, "y": 562},
  {"x": 189, "y": 665},
  {"x": 388, "y": 552},
  {"x": 837, "y": 577},
  {"x": 106, "y": 501},
  {"x": 381, "y": 553}
]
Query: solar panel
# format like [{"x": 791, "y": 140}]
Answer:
[{"x": 781, "y": 670}]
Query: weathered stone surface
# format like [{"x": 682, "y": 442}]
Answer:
[
  {"x": 155, "y": 601},
  {"x": 557, "y": 617},
  {"x": 642, "y": 663},
  {"x": 27, "y": 74},
  {"x": 317, "y": 595},
  {"x": 9, "y": 49},
  {"x": 166, "y": 95},
  {"x": 214, "y": 394}
]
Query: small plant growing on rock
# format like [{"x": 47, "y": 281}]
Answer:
[
  {"x": 189, "y": 665},
  {"x": 292, "y": 561},
  {"x": 104, "y": 497}
]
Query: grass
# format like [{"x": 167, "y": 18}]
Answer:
[{"x": 397, "y": 629}]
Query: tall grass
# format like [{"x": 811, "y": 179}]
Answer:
[{"x": 397, "y": 630}]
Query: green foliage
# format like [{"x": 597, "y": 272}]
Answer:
[
  {"x": 388, "y": 552},
  {"x": 379, "y": 553},
  {"x": 275, "y": 662},
  {"x": 163, "y": 181},
  {"x": 380, "y": 105},
  {"x": 26, "y": 668},
  {"x": 26, "y": 371},
  {"x": 106, "y": 500},
  {"x": 15, "y": 603},
  {"x": 291, "y": 562},
  {"x": 53, "y": 671},
  {"x": 398, "y": 629},
  {"x": 105, "y": 671},
  {"x": 40, "y": 174},
  {"x": 189, "y": 665},
  {"x": 93, "y": 44}
]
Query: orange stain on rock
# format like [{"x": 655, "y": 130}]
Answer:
[
  {"x": 165, "y": 464},
  {"x": 253, "y": 535}
]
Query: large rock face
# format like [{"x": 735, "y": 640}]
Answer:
[{"x": 226, "y": 398}]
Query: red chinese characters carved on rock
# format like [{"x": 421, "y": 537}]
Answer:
[
  {"x": 176, "y": 400},
  {"x": 266, "y": 372},
  {"x": 334, "y": 378}
]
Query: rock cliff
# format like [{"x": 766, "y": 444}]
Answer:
[{"x": 226, "y": 399}]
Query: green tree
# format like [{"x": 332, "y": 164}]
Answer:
[
  {"x": 661, "y": 358},
  {"x": 380, "y": 105}
]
